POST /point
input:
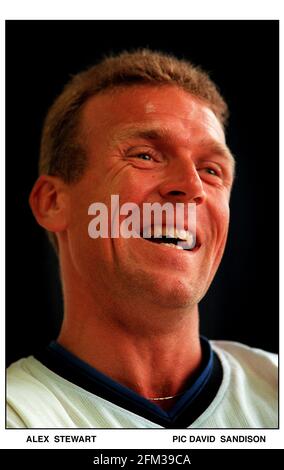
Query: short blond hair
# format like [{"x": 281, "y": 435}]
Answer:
[{"x": 62, "y": 154}]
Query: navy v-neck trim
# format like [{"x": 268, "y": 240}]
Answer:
[{"x": 201, "y": 389}]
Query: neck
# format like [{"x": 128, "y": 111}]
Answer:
[{"x": 149, "y": 350}]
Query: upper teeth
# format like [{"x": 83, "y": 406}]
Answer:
[
  {"x": 170, "y": 232},
  {"x": 186, "y": 239}
]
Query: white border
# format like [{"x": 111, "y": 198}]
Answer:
[
  {"x": 148, "y": 9},
  {"x": 139, "y": 439},
  {"x": 159, "y": 9}
]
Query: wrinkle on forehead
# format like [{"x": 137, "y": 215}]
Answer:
[
  {"x": 174, "y": 108},
  {"x": 155, "y": 130},
  {"x": 197, "y": 111}
]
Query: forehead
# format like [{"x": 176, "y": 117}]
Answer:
[{"x": 117, "y": 113}]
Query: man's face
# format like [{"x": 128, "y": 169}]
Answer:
[{"x": 151, "y": 144}]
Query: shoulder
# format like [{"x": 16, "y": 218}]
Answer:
[
  {"x": 30, "y": 386},
  {"x": 251, "y": 360},
  {"x": 250, "y": 384},
  {"x": 26, "y": 373},
  {"x": 248, "y": 394}
]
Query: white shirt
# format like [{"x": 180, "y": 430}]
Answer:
[{"x": 247, "y": 396}]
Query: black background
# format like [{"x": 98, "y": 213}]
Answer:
[
  {"x": 84, "y": 458},
  {"x": 242, "y": 58}
]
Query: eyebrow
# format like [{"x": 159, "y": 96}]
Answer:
[{"x": 161, "y": 133}]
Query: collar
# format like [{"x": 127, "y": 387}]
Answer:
[{"x": 201, "y": 389}]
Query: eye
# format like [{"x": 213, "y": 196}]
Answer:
[
  {"x": 211, "y": 171},
  {"x": 144, "y": 156}
]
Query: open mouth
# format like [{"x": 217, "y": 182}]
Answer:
[{"x": 183, "y": 240}]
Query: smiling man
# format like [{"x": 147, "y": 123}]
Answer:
[{"x": 149, "y": 128}]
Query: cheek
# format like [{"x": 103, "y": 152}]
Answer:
[
  {"x": 134, "y": 186},
  {"x": 223, "y": 216},
  {"x": 219, "y": 214}
]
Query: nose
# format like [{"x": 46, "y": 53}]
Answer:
[{"x": 183, "y": 183}]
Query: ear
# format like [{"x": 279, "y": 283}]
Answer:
[{"x": 49, "y": 203}]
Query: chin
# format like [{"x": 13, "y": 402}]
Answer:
[{"x": 176, "y": 295}]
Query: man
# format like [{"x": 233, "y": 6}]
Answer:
[{"x": 150, "y": 129}]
